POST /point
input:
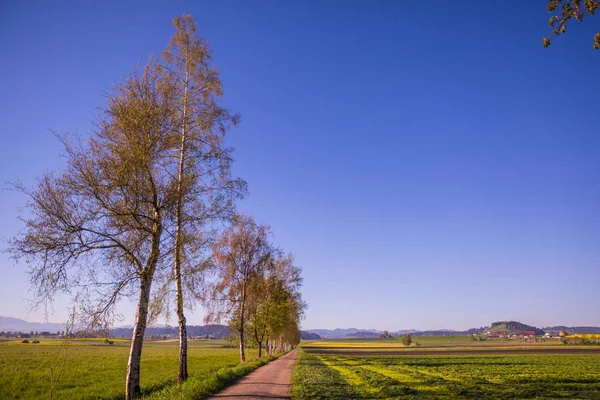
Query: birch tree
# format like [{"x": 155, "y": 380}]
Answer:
[
  {"x": 241, "y": 254},
  {"x": 205, "y": 189},
  {"x": 96, "y": 229},
  {"x": 261, "y": 303},
  {"x": 275, "y": 303}
]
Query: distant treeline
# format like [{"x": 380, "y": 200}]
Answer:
[
  {"x": 30, "y": 334},
  {"x": 211, "y": 331},
  {"x": 204, "y": 331},
  {"x": 515, "y": 326},
  {"x": 572, "y": 329},
  {"x": 305, "y": 335}
]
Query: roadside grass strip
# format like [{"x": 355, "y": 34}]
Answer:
[{"x": 200, "y": 387}]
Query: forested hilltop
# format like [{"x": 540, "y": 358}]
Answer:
[{"x": 513, "y": 327}]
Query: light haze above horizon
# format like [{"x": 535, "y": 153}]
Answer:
[{"x": 430, "y": 168}]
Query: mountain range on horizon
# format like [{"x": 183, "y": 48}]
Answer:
[
  {"x": 502, "y": 326},
  {"x": 18, "y": 324},
  {"x": 339, "y": 333}
]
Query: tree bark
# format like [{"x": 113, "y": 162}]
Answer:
[
  {"x": 242, "y": 323},
  {"x": 183, "y": 372},
  {"x": 259, "y": 350},
  {"x": 132, "y": 382},
  {"x": 242, "y": 350},
  {"x": 259, "y": 341},
  {"x": 132, "y": 389}
]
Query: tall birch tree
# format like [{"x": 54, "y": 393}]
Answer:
[
  {"x": 96, "y": 229},
  {"x": 205, "y": 190}
]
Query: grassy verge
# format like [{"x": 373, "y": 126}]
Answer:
[{"x": 200, "y": 387}]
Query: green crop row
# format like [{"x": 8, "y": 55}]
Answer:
[{"x": 519, "y": 376}]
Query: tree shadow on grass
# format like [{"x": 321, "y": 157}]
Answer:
[
  {"x": 315, "y": 380},
  {"x": 146, "y": 390}
]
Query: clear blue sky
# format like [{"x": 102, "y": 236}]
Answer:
[{"x": 430, "y": 166}]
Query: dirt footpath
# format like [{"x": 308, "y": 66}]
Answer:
[{"x": 271, "y": 381}]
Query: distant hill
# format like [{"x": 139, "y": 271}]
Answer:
[
  {"x": 221, "y": 331},
  {"x": 19, "y": 325},
  {"x": 9, "y": 324},
  {"x": 339, "y": 333},
  {"x": 306, "y": 335},
  {"x": 513, "y": 327},
  {"x": 496, "y": 327}
]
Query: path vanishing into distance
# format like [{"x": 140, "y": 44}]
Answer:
[{"x": 271, "y": 381}]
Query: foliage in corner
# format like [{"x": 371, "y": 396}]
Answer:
[{"x": 570, "y": 9}]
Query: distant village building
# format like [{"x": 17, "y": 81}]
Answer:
[{"x": 508, "y": 335}]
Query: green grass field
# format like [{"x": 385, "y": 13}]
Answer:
[
  {"x": 97, "y": 371},
  {"x": 525, "y": 376},
  {"x": 94, "y": 370}
]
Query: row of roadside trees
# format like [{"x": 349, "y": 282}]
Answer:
[
  {"x": 257, "y": 288},
  {"x": 145, "y": 210}
]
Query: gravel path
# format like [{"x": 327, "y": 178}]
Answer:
[{"x": 271, "y": 381}]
